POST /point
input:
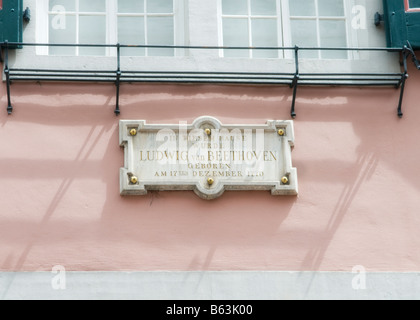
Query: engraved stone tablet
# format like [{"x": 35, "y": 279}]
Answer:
[{"x": 208, "y": 157}]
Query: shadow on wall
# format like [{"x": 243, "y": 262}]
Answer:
[
  {"x": 236, "y": 231},
  {"x": 158, "y": 222},
  {"x": 386, "y": 150}
]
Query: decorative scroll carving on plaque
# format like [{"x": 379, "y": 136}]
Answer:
[{"x": 208, "y": 157}]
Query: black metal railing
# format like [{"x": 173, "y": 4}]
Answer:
[{"x": 292, "y": 79}]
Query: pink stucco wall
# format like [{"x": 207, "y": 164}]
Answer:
[{"x": 358, "y": 169}]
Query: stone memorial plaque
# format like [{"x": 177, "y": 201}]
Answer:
[{"x": 208, "y": 157}]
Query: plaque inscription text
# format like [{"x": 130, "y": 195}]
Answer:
[{"x": 207, "y": 157}]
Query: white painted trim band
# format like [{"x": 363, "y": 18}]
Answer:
[{"x": 224, "y": 285}]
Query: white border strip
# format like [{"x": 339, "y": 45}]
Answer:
[{"x": 224, "y": 285}]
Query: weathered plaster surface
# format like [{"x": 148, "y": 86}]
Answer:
[{"x": 358, "y": 167}]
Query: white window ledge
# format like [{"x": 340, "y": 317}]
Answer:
[{"x": 203, "y": 31}]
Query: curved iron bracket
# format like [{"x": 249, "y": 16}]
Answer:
[
  {"x": 409, "y": 49},
  {"x": 118, "y": 81},
  {"x": 7, "y": 74}
]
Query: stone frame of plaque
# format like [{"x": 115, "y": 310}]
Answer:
[{"x": 207, "y": 157}]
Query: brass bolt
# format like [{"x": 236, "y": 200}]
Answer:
[
  {"x": 207, "y": 131},
  {"x": 133, "y": 132},
  {"x": 210, "y": 181},
  {"x": 284, "y": 180},
  {"x": 134, "y": 179},
  {"x": 281, "y": 132}
]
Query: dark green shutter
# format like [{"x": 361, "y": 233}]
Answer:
[
  {"x": 11, "y": 21},
  {"x": 413, "y": 29},
  {"x": 401, "y": 26}
]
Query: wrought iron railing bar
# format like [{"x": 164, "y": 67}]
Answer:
[
  {"x": 209, "y": 73},
  {"x": 351, "y": 79},
  {"x": 63, "y": 71},
  {"x": 203, "y": 47},
  {"x": 352, "y": 74},
  {"x": 349, "y": 84},
  {"x": 153, "y": 72},
  {"x": 41, "y": 75},
  {"x": 292, "y": 79},
  {"x": 132, "y": 79},
  {"x": 62, "y": 79},
  {"x": 182, "y": 73},
  {"x": 149, "y": 80},
  {"x": 198, "y": 76},
  {"x": 66, "y": 74},
  {"x": 207, "y": 81}
]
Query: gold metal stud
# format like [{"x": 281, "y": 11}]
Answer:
[
  {"x": 210, "y": 181},
  {"x": 207, "y": 131},
  {"x": 281, "y": 132},
  {"x": 133, "y": 132},
  {"x": 285, "y": 180},
  {"x": 134, "y": 179}
]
